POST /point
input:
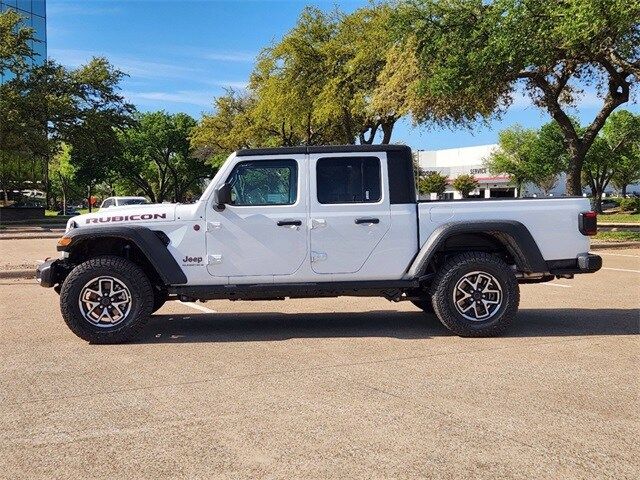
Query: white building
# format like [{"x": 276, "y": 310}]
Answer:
[{"x": 453, "y": 162}]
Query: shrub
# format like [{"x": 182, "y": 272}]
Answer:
[
  {"x": 465, "y": 184},
  {"x": 630, "y": 204},
  {"x": 433, "y": 182}
]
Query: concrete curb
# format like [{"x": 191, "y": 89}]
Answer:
[
  {"x": 614, "y": 245},
  {"x": 18, "y": 273},
  {"x": 35, "y": 236},
  {"x": 618, "y": 225}
]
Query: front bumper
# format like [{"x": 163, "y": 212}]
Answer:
[
  {"x": 584, "y": 263},
  {"x": 48, "y": 273}
]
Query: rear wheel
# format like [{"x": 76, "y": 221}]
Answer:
[
  {"x": 475, "y": 294},
  {"x": 106, "y": 300}
]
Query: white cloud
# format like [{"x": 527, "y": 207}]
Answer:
[
  {"x": 132, "y": 66},
  {"x": 240, "y": 57},
  {"x": 189, "y": 97}
]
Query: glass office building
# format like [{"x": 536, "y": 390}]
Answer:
[{"x": 34, "y": 13}]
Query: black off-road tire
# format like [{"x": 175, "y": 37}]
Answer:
[
  {"x": 142, "y": 299},
  {"x": 442, "y": 294},
  {"x": 160, "y": 297},
  {"x": 424, "y": 305}
]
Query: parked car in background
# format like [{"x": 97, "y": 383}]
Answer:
[
  {"x": 69, "y": 211},
  {"x": 121, "y": 201}
]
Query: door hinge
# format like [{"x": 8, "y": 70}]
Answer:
[
  {"x": 318, "y": 257},
  {"x": 318, "y": 223},
  {"x": 214, "y": 259},
  {"x": 211, "y": 226}
]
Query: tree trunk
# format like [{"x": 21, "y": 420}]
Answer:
[
  {"x": 89, "y": 197},
  {"x": 387, "y": 130},
  {"x": 574, "y": 172},
  {"x": 597, "y": 201},
  {"x": 624, "y": 190}
]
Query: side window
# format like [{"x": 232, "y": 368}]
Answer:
[
  {"x": 348, "y": 180},
  {"x": 108, "y": 203},
  {"x": 264, "y": 182}
]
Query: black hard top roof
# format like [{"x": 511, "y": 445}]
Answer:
[{"x": 321, "y": 149}]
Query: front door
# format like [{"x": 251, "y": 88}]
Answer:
[
  {"x": 349, "y": 210},
  {"x": 263, "y": 232}
]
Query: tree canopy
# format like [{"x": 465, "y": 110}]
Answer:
[
  {"x": 529, "y": 156},
  {"x": 477, "y": 56}
]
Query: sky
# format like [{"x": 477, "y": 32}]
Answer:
[{"x": 181, "y": 54}]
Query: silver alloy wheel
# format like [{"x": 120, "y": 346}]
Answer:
[
  {"x": 105, "y": 301},
  {"x": 477, "y": 296}
]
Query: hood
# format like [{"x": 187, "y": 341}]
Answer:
[{"x": 126, "y": 215}]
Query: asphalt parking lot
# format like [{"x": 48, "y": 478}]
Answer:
[{"x": 331, "y": 388}]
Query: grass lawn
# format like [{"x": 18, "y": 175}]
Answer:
[
  {"x": 618, "y": 236},
  {"x": 54, "y": 213},
  {"x": 619, "y": 218}
]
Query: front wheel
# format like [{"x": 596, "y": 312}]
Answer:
[
  {"x": 106, "y": 300},
  {"x": 475, "y": 294},
  {"x": 424, "y": 305}
]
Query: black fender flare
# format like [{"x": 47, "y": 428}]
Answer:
[
  {"x": 144, "y": 238},
  {"x": 512, "y": 234}
]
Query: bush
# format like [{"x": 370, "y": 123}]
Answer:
[
  {"x": 433, "y": 182},
  {"x": 629, "y": 204},
  {"x": 465, "y": 184}
]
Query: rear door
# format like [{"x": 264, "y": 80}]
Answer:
[{"x": 349, "y": 207}]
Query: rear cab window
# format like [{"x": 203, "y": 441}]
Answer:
[{"x": 348, "y": 180}]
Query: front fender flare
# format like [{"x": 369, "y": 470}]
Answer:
[
  {"x": 513, "y": 235},
  {"x": 144, "y": 238}
]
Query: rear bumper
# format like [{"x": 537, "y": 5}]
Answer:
[
  {"x": 48, "y": 273},
  {"x": 585, "y": 263}
]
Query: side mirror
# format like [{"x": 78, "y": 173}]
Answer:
[{"x": 222, "y": 196}]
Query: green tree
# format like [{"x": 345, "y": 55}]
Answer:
[
  {"x": 433, "y": 182},
  {"x": 289, "y": 78},
  {"x": 610, "y": 153},
  {"x": 62, "y": 175},
  {"x": 627, "y": 171},
  {"x": 465, "y": 184},
  {"x": 529, "y": 156},
  {"x": 355, "y": 57},
  {"x": 320, "y": 84},
  {"x": 476, "y": 55},
  {"x": 622, "y": 131},
  {"x": 156, "y": 157}
]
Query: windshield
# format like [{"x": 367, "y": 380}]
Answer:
[{"x": 132, "y": 201}]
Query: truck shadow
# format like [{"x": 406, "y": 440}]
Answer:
[{"x": 276, "y": 326}]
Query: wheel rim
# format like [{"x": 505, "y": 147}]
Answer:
[
  {"x": 105, "y": 301},
  {"x": 477, "y": 296}
]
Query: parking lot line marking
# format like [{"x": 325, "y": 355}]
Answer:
[
  {"x": 557, "y": 285},
  {"x": 621, "y": 269},
  {"x": 195, "y": 306},
  {"x": 619, "y": 254}
]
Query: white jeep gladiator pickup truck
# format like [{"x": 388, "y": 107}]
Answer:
[{"x": 316, "y": 222}]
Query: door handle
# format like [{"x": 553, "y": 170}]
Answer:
[
  {"x": 289, "y": 223},
  {"x": 367, "y": 220}
]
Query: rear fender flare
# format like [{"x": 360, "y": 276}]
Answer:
[{"x": 515, "y": 237}]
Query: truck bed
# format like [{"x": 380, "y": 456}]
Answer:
[{"x": 553, "y": 222}]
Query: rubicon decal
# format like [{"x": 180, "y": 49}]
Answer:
[{"x": 127, "y": 218}]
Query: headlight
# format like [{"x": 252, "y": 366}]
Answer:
[{"x": 70, "y": 225}]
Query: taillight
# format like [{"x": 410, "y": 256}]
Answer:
[{"x": 588, "y": 223}]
